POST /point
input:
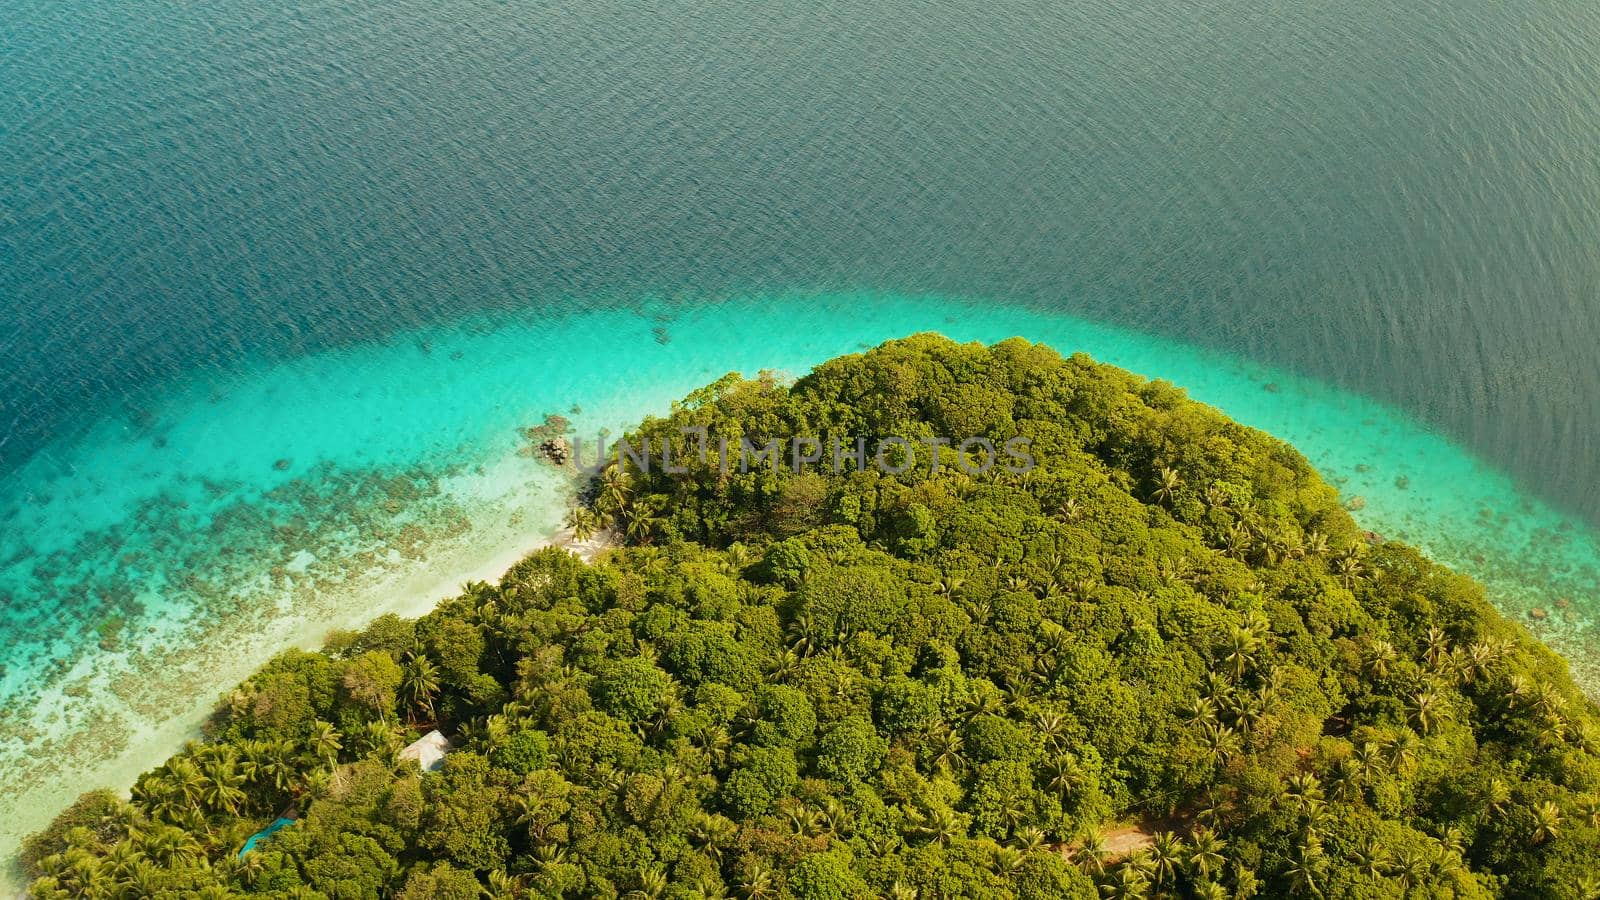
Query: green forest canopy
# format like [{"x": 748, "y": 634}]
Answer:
[{"x": 926, "y": 685}]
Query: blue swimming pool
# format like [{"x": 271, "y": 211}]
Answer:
[{"x": 263, "y": 834}]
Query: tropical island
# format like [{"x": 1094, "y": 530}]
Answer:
[{"x": 1161, "y": 661}]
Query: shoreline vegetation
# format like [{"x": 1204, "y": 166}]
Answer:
[
  {"x": 100, "y": 547},
  {"x": 1170, "y": 638},
  {"x": 145, "y": 749}
]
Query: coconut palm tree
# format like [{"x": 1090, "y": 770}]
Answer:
[
  {"x": 503, "y": 885},
  {"x": 801, "y": 640},
  {"x": 583, "y": 523},
  {"x": 785, "y": 667},
  {"x": 945, "y": 748},
  {"x": 419, "y": 684},
  {"x": 1345, "y": 785},
  {"x": 324, "y": 743},
  {"x": 1306, "y": 870},
  {"x": 1090, "y": 854},
  {"x": 242, "y": 869},
  {"x": 1014, "y": 810},
  {"x": 1259, "y": 625},
  {"x": 615, "y": 483},
  {"x": 1551, "y": 731},
  {"x": 1216, "y": 687},
  {"x": 1176, "y": 570},
  {"x": 124, "y": 855},
  {"x": 1064, "y": 776},
  {"x": 1201, "y": 711},
  {"x": 642, "y": 526},
  {"x": 1070, "y": 510},
  {"x": 984, "y": 703},
  {"x": 671, "y": 705},
  {"x": 1473, "y": 661},
  {"x": 1205, "y": 853},
  {"x": 1452, "y": 843},
  {"x": 1589, "y": 811},
  {"x": 222, "y": 789},
  {"x": 89, "y": 874},
  {"x": 1217, "y": 497},
  {"x": 1007, "y": 861},
  {"x": 939, "y": 825},
  {"x": 252, "y": 756},
  {"x": 1236, "y": 541},
  {"x": 1166, "y": 856},
  {"x": 1127, "y": 883},
  {"x": 276, "y": 767},
  {"x": 949, "y": 586},
  {"x": 1370, "y": 759},
  {"x": 737, "y": 558},
  {"x": 1547, "y": 821},
  {"x": 378, "y": 739},
  {"x": 548, "y": 856},
  {"x": 187, "y": 782},
  {"x": 170, "y": 846},
  {"x": 717, "y": 745},
  {"x": 1427, "y": 708},
  {"x": 901, "y": 891},
  {"x": 1517, "y": 691},
  {"x": 1436, "y": 648},
  {"x": 1274, "y": 683},
  {"x": 709, "y": 887},
  {"x": 1241, "y": 648},
  {"x": 1378, "y": 659},
  {"x": 803, "y": 821},
  {"x": 318, "y": 783},
  {"x": 1221, "y": 741},
  {"x": 835, "y": 819},
  {"x": 1402, "y": 750},
  {"x": 652, "y": 886},
  {"x": 1304, "y": 792},
  {"x": 756, "y": 883},
  {"x": 1496, "y": 797},
  {"x": 1029, "y": 839},
  {"x": 1349, "y": 567},
  {"x": 1410, "y": 868},
  {"x": 1316, "y": 543},
  {"x": 1247, "y": 711},
  {"x": 1167, "y": 485},
  {"x": 488, "y": 733},
  {"x": 1370, "y": 859}
]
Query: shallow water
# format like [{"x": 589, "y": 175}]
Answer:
[
  {"x": 246, "y": 513},
  {"x": 1399, "y": 199}
]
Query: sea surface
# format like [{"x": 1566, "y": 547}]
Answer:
[{"x": 279, "y": 283}]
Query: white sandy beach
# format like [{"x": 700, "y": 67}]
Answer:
[{"x": 23, "y": 813}]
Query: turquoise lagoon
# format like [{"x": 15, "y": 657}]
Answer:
[{"x": 155, "y": 559}]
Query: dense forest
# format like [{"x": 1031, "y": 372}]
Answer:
[{"x": 1162, "y": 662}]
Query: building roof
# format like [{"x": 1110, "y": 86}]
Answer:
[{"x": 429, "y": 751}]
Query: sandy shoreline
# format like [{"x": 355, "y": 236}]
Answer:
[
  {"x": 1539, "y": 565},
  {"x": 153, "y": 745}
]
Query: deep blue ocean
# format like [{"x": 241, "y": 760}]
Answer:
[{"x": 279, "y": 281}]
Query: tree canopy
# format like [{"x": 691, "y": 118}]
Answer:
[{"x": 931, "y": 684}]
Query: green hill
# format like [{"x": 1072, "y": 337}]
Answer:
[{"x": 1162, "y": 661}]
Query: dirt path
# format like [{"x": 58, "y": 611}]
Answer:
[{"x": 1128, "y": 840}]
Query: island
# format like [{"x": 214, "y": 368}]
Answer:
[{"x": 871, "y": 653}]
